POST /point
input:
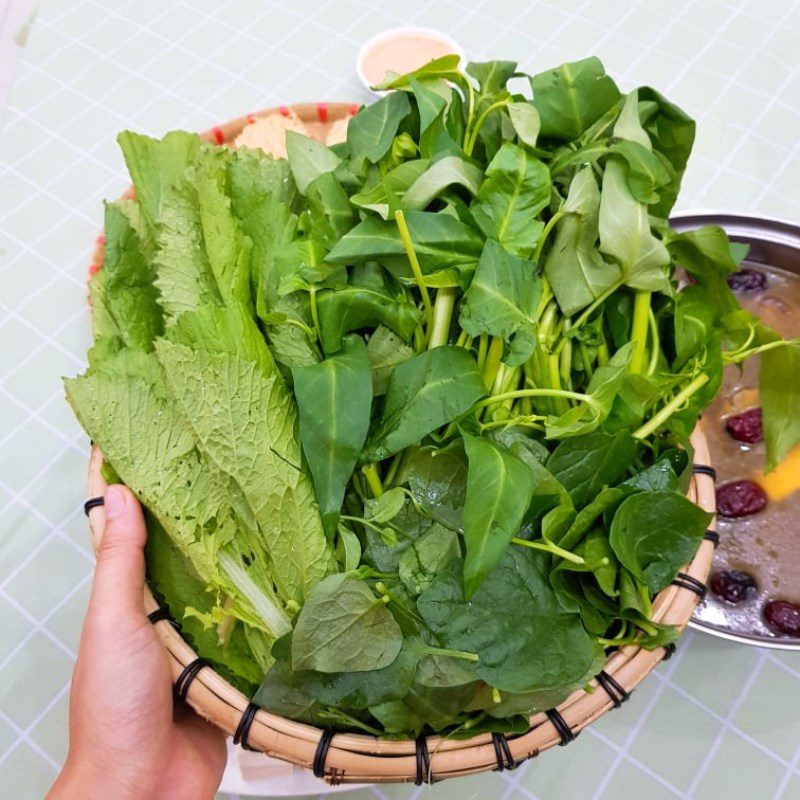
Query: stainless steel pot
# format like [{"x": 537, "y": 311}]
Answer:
[{"x": 775, "y": 243}]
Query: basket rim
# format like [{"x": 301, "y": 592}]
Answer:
[{"x": 361, "y": 758}]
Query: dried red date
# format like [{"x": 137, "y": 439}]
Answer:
[
  {"x": 740, "y": 499},
  {"x": 733, "y": 585},
  {"x": 783, "y": 617},
  {"x": 746, "y": 427},
  {"x": 747, "y": 280}
]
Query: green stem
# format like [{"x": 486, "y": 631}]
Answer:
[
  {"x": 585, "y": 398},
  {"x": 442, "y": 314},
  {"x": 408, "y": 244},
  {"x": 670, "y": 408},
  {"x": 655, "y": 344},
  {"x": 587, "y": 362},
  {"x": 419, "y": 339},
  {"x": 373, "y": 479},
  {"x": 472, "y": 136},
  {"x": 361, "y": 521},
  {"x": 394, "y": 467},
  {"x": 641, "y": 309},
  {"x": 736, "y": 357},
  {"x": 312, "y": 296},
  {"x": 598, "y": 301},
  {"x": 546, "y": 297},
  {"x": 602, "y": 354},
  {"x": 551, "y": 223},
  {"x": 492, "y": 363},
  {"x": 462, "y": 654},
  {"x": 549, "y": 547},
  {"x": 523, "y": 421},
  {"x": 547, "y": 322},
  {"x": 483, "y": 345}
]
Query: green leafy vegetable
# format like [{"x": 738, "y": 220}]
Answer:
[
  {"x": 409, "y": 414},
  {"x": 343, "y": 627},
  {"x": 499, "y": 486},
  {"x": 334, "y": 399},
  {"x": 424, "y": 393}
]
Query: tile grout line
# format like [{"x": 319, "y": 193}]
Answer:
[
  {"x": 633, "y": 733},
  {"x": 717, "y": 743}
]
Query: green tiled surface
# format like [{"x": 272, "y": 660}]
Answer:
[{"x": 718, "y": 721}]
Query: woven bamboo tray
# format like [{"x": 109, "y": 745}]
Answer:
[{"x": 357, "y": 758}]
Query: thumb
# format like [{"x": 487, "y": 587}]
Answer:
[{"x": 119, "y": 573}]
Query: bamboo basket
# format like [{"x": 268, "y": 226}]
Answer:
[{"x": 358, "y": 758}]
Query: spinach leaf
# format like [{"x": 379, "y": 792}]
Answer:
[
  {"x": 525, "y": 120},
  {"x": 385, "y": 195},
  {"x": 334, "y": 399},
  {"x": 425, "y": 392},
  {"x": 440, "y": 706},
  {"x": 308, "y": 159},
  {"x": 704, "y": 252},
  {"x": 585, "y": 464},
  {"x": 446, "y": 172},
  {"x": 602, "y": 391},
  {"x": 350, "y": 690},
  {"x": 780, "y": 400},
  {"x": 385, "y": 350},
  {"x": 625, "y": 233},
  {"x": 499, "y": 486},
  {"x": 438, "y": 480},
  {"x": 425, "y": 558},
  {"x": 440, "y": 241},
  {"x": 343, "y": 627},
  {"x": 445, "y": 67},
  {"x": 371, "y": 298},
  {"x": 653, "y": 534},
  {"x": 329, "y": 208},
  {"x": 397, "y": 718},
  {"x": 659, "y": 477},
  {"x": 516, "y": 190},
  {"x": 585, "y": 519},
  {"x": 577, "y": 272},
  {"x": 647, "y": 172},
  {"x": 571, "y": 97},
  {"x": 370, "y": 132},
  {"x": 671, "y": 133},
  {"x": 502, "y": 301},
  {"x": 433, "y": 95},
  {"x": 514, "y": 622}
]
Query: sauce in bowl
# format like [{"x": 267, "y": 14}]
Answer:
[
  {"x": 764, "y": 545},
  {"x": 402, "y": 50}
]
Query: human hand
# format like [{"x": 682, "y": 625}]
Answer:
[{"x": 127, "y": 739}]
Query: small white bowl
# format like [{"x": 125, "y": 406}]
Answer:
[{"x": 450, "y": 46}]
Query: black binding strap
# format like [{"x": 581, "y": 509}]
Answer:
[
  {"x": 93, "y": 502},
  {"x": 243, "y": 728},
  {"x": 186, "y": 677},
  {"x": 692, "y": 584},
  {"x": 423, "y": 761},
  {"x": 324, "y": 743},
  {"x": 502, "y": 752},
  {"x": 669, "y": 651},
  {"x": 713, "y": 537},
  {"x": 612, "y": 688},
  {"x": 704, "y": 469},
  {"x": 560, "y": 724},
  {"x": 162, "y": 613}
]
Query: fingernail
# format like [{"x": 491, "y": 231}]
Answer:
[{"x": 115, "y": 501}]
